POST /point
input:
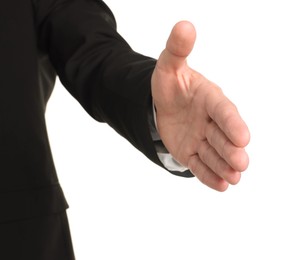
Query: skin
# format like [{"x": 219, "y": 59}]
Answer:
[{"x": 198, "y": 124}]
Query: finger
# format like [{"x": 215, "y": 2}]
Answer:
[
  {"x": 227, "y": 117},
  {"x": 217, "y": 164},
  {"x": 206, "y": 175},
  {"x": 235, "y": 156},
  {"x": 179, "y": 45}
]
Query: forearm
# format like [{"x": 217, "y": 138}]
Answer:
[{"x": 98, "y": 67}]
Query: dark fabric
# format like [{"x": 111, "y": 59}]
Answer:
[
  {"x": 28, "y": 181},
  {"x": 40, "y": 238},
  {"x": 98, "y": 67},
  {"x": 19, "y": 204},
  {"x": 76, "y": 40}
]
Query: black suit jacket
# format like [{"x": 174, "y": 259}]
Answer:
[{"x": 76, "y": 40}]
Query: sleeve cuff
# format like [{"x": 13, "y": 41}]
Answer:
[{"x": 164, "y": 156}]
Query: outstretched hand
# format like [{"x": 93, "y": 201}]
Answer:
[{"x": 197, "y": 123}]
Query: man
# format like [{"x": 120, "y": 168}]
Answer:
[{"x": 171, "y": 113}]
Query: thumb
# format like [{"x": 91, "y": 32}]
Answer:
[{"x": 179, "y": 45}]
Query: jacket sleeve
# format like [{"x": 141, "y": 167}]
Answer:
[{"x": 98, "y": 67}]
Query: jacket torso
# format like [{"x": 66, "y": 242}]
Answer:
[{"x": 28, "y": 180}]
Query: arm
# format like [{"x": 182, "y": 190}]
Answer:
[
  {"x": 200, "y": 127},
  {"x": 98, "y": 67}
]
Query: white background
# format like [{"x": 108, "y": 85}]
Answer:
[{"x": 124, "y": 207}]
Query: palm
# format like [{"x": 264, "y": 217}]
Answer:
[
  {"x": 183, "y": 119},
  {"x": 199, "y": 126}
]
